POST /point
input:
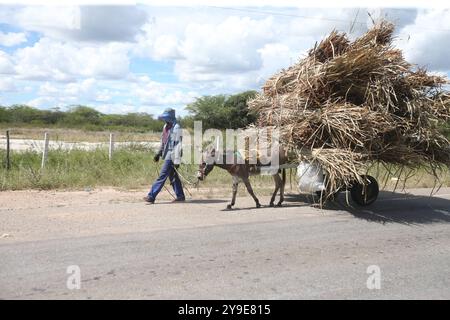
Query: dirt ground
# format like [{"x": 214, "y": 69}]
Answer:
[
  {"x": 36, "y": 215},
  {"x": 127, "y": 249},
  {"x": 37, "y": 199}
]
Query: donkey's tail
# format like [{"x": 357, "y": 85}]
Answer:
[{"x": 283, "y": 176}]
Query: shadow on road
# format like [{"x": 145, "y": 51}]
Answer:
[
  {"x": 391, "y": 207},
  {"x": 266, "y": 206},
  {"x": 206, "y": 201},
  {"x": 200, "y": 201}
]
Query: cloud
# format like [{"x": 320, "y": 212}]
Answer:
[
  {"x": 12, "y": 39},
  {"x": 53, "y": 21},
  {"x": 6, "y": 65},
  {"x": 166, "y": 47},
  {"x": 110, "y": 23},
  {"x": 222, "y": 52},
  {"x": 50, "y": 102},
  {"x": 157, "y": 94},
  {"x": 62, "y": 61},
  {"x": 426, "y": 41},
  {"x": 275, "y": 56},
  {"x": 7, "y": 85},
  {"x": 82, "y": 23},
  {"x": 47, "y": 89},
  {"x": 227, "y": 47},
  {"x": 84, "y": 91},
  {"x": 136, "y": 94},
  {"x": 83, "y": 54}
]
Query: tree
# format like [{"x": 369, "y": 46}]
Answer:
[
  {"x": 210, "y": 110},
  {"x": 238, "y": 112},
  {"x": 52, "y": 116},
  {"x": 222, "y": 112},
  {"x": 20, "y": 113},
  {"x": 83, "y": 115},
  {"x": 4, "y": 114}
]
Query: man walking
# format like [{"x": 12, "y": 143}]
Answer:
[{"x": 170, "y": 151}]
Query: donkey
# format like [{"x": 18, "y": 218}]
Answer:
[{"x": 241, "y": 172}]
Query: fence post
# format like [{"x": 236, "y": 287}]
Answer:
[
  {"x": 111, "y": 145},
  {"x": 8, "y": 163},
  {"x": 45, "y": 151}
]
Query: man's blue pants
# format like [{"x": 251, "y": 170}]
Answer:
[{"x": 167, "y": 171}]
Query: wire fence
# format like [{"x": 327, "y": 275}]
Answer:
[{"x": 10, "y": 144}]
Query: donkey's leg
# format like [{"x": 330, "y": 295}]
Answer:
[
  {"x": 235, "y": 189},
  {"x": 250, "y": 190},
  {"x": 277, "y": 180},
  {"x": 282, "y": 185}
]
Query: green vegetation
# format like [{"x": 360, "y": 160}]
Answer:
[
  {"x": 215, "y": 111},
  {"x": 76, "y": 169},
  {"x": 222, "y": 112},
  {"x": 133, "y": 168},
  {"x": 77, "y": 117},
  {"x": 130, "y": 168}
]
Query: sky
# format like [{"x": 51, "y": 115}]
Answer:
[{"x": 143, "y": 58}]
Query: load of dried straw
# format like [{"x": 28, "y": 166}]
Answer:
[{"x": 350, "y": 104}]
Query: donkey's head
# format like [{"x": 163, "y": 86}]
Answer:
[{"x": 208, "y": 162}]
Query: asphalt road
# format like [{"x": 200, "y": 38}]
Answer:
[{"x": 196, "y": 250}]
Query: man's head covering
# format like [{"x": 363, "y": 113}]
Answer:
[{"x": 168, "y": 115}]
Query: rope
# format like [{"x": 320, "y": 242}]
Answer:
[{"x": 194, "y": 184}]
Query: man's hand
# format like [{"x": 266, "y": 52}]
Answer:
[
  {"x": 176, "y": 166},
  {"x": 156, "y": 157}
]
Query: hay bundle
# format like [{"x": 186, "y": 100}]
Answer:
[{"x": 352, "y": 103}]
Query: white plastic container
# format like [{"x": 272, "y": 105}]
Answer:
[{"x": 310, "y": 177}]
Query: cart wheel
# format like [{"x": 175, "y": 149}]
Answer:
[{"x": 365, "y": 195}]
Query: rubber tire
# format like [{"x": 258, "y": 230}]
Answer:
[{"x": 365, "y": 195}]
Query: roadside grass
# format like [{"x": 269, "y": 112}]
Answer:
[
  {"x": 132, "y": 167},
  {"x": 399, "y": 178}
]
